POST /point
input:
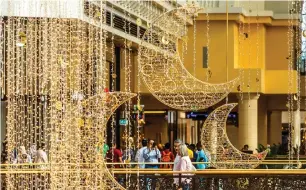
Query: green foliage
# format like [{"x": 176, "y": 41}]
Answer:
[{"x": 274, "y": 150}]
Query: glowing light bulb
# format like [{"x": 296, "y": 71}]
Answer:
[
  {"x": 139, "y": 22},
  {"x": 20, "y": 44},
  {"x": 77, "y": 96},
  {"x": 165, "y": 40}
]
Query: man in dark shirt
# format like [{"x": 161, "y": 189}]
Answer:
[{"x": 114, "y": 155}]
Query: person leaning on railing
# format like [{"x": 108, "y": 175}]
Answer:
[
  {"x": 177, "y": 144},
  {"x": 139, "y": 155},
  {"x": 23, "y": 157},
  {"x": 114, "y": 155},
  {"x": 41, "y": 155},
  {"x": 151, "y": 155},
  {"x": 184, "y": 165},
  {"x": 167, "y": 156},
  {"x": 202, "y": 157}
]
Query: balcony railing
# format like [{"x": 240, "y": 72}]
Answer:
[
  {"x": 215, "y": 180},
  {"x": 209, "y": 179}
]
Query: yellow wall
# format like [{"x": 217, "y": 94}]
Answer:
[
  {"x": 276, "y": 48},
  {"x": 251, "y": 58},
  {"x": 217, "y": 51},
  {"x": 277, "y": 82},
  {"x": 251, "y": 50},
  {"x": 256, "y": 59},
  {"x": 239, "y": 63}
]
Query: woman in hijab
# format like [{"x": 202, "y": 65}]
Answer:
[{"x": 24, "y": 157}]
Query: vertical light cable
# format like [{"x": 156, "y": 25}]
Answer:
[{"x": 226, "y": 56}]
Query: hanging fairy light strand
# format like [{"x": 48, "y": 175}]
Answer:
[
  {"x": 257, "y": 54},
  {"x": 194, "y": 63},
  {"x": 208, "y": 71},
  {"x": 113, "y": 76},
  {"x": 2, "y": 63},
  {"x": 226, "y": 56},
  {"x": 124, "y": 138},
  {"x": 244, "y": 37},
  {"x": 138, "y": 98},
  {"x": 127, "y": 72},
  {"x": 303, "y": 58},
  {"x": 249, "y": 54},
  {"x": 240, "y": 62},
  {"x": 298, "y": 66},
  {"x": 290, "y": 82},
  {"x": 194, "y": 45}
]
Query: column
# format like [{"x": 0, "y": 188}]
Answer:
[
  {"x": 248, "y": 120},
  {"x": 188, "y": 131},
  {"x": 262, "y": 121},
  {"x": 174, "y": 126},
  {"x": 297, "y": 129},
  {"x": 275, "y": 127}
]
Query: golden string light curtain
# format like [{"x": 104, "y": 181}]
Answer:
[{"x": 55, "y": 80}]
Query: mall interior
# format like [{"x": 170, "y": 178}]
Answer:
[{"x": 90, "y": 87}]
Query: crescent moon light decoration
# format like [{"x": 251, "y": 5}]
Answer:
[
  {"x": 162, "y": 69},
  {"x": 215, "y": 140},
  {"x": 104, "y": 106},
  {"x": 92, "y": 172}
]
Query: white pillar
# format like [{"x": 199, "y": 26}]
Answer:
[
  {"x": 248, "y": 121},
  {"x": 262, "y": 121},
  {"x": 275, "y": 127},
  {"x": 297, "y": 129}
]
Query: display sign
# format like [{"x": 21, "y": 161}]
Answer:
[
  {"x": 232, "y": 118},
  {"x": 123, "y": 122},
  {"x": 196, "y": 115}
]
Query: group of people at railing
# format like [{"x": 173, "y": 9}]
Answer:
[
  {"x": 20, "y": 155},
  {"x": 151, "y": 155}
]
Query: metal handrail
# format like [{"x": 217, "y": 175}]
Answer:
[
  {"x": 157, "y": 171},
  {"x": 159, "y": 163}
]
